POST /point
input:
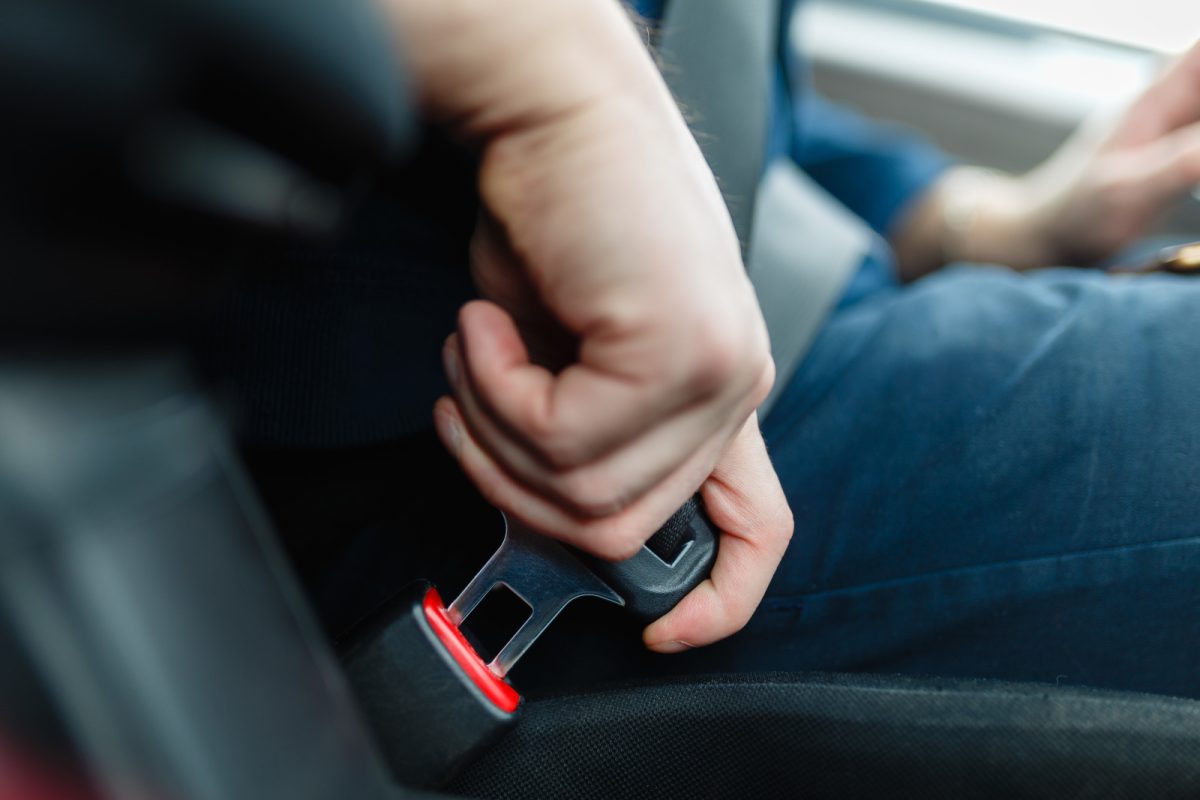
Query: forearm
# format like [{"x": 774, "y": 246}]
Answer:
[
  {"x": 485, "y": 67},
  {"x": 1095, "y": 195},
  {"x": 972, "y": 215},
  {"x": 559, "y": 95}
]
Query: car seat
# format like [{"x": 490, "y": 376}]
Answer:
[{"x": 157, "y": 643}]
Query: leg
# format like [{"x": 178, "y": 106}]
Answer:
[
  {"x": 992, "y": 475},
  {"x": 995, "y": 476}
]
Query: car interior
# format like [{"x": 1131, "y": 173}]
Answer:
[{"x": 164, "y": 629}]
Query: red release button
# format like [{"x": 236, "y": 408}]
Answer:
[{"x": 495, "y": 689}]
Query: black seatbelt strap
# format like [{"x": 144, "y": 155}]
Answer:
[{"x": 718, "y": 57}]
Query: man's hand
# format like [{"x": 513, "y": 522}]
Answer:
[
  {"x": 1104, "y": 189},
  {"x": 746, "y": 503},
  {"x": 618, "y": 357},
  {"x": 1098, "y": 194}
]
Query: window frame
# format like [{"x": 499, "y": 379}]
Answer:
[{"x": 947, "y": 11}]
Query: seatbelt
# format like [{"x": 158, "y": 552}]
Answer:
[
  {"x": 804, "y": 249},
  {"x": 801, "y": 245},
  {"x": 717, "y": 62}
]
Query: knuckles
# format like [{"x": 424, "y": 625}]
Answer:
[
  {"x": 729, "y": 357},
  {"x": 714, "y": 362},
  {"x": 591, "y": 495},
  {"x": 556, "y": 444},
  {"x": 558, "y": 449},
  {"x": 765, "y": 382}
]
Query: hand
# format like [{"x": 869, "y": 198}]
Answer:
[
  {"x": 1107, "y": 186},
  {"x": 619, "y": 352},
  {"x": 746, "y": 503},
  {"x": 1097, "y": 195}
]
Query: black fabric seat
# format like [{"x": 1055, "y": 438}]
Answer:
[
  {"x": 152, "y": 630},
  {"x": 844, "y": 736},
  {"x": 132, "y": 546}
]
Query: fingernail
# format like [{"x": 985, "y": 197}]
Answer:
[
  {"x": 450, "y": 430},
  {"x": 451, "y": 365},
  {"x": 673, "y": 646}
]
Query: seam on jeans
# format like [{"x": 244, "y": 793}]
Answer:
[
  {"x": 979, "y": 568},
  {"x": 1085, "y": 507},
  {"x": 1000, "y": 399},
  {"x": 1042, "y": 347}
]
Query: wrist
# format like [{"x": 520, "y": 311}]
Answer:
[
  {"x": 974, "y": 215},
  {"x": 993, "y": 217}
]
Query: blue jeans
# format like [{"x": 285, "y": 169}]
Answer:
[{"x": 993, "y": 475}]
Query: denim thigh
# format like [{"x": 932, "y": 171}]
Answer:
[{"x": 994, "y": 475}]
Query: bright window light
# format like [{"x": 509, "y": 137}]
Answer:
[{"x": 1162, "y": 25}]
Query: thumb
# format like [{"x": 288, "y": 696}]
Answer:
[{"x": 746, "y": 503}]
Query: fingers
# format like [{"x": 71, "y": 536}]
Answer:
[
  {"x": 1124, "y": 191},
  {"x": 508, "y": 405},
  {"x": 615, "y": 536},
  {"x": 1172, "y": 164},
  {"x": 746, "y": 503},
  {"x": 1172, "y": 101},
  {"x": 585, "y": 411}
]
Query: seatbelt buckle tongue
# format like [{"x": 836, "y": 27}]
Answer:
[
  {"x": 541, "y": 572},
  {"x": 548, "y": 575}
]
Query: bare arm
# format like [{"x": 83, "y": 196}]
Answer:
[
  {"x": 1096, "y": 195},
  {"x": 605, "y": 241}
]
